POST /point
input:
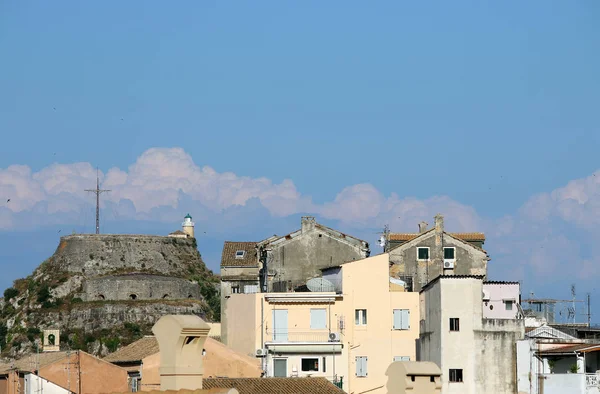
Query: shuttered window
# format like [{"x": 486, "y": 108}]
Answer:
[
  {"x": 318, "y": 319},
  {"x": 401, "y": 319},
  {"x": 361, "y": 366}
]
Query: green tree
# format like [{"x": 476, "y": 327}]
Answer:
[{"x": 10, "y": 293}]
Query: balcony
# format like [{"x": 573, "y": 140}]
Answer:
[
  {"x": 302, "y": 341},
  {"x": 289, "y": 335}
]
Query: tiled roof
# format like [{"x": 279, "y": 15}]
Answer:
[
  {"x": 580, "y": 348},
  {"x": 275, "y": 385},
  {"x": 31, "y": 362},
  {"x": 228, "y": 258},
  {"x": 136, "y": 351},
  {"x": 462, "y": 236}
]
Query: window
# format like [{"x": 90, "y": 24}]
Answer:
[
  {"x": 454, "y": 324},
  {"x": 508, "y": 304},
  {"x": 51, "y": 340},
  {"x": 240, "y": 254},
  {"x": 280, "y": 367},
  {"x": 361, "y": 366},
  {"x": 401, "y": 358},
  {"x": 455, "y": 375},
  {"x": 449, "y": 254},
  {"x": 133, "y": 296},
  {"x": 250, "y": 289},
  {"x": 432, "y": 379},
  {"x": 310, "y": 365},
  {"x": 423, "y": 254},
  {"x": 235, "y": 289},
  {"x": 360, "y": 317},
  {"x": 324, "y": 364},
  {"x": 318, "y": 319},
  {"x": 401, "y": 319}
]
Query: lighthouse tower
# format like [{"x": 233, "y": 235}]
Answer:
[{"x": 188, "y": 226}]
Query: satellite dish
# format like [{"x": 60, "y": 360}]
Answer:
[
  {"x": 319, "y": 284},
  {"x": 382, "y": 241}
]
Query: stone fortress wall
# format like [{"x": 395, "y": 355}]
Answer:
[
  {"x": 137, "y": 286},
  {"x": 102, "y": 254}
]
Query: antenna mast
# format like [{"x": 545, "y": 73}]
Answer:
[{"x": 97, "y": 191}]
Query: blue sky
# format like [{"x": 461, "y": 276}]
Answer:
[{"x": 361, "y": 115}]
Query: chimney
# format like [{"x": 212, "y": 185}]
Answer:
[
  {"x": 180, "y": 341},
  {"x": 308, "y": 223},
  {"x": 439, "y": 228},
  {"x": 422, "y": 227}
]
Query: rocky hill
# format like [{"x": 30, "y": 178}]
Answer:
[{"x": 104, "y": 291}]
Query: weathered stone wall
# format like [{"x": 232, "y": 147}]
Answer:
[
  {"x": 303, "y": 256},
  {"x": 469, "y": 261},
  {"x": 102, "y": 254},
  {"x": 93, "y": 316},
  {"x": 139, "y": 287}
]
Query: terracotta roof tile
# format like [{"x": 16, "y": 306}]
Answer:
[
  {"x": 228, "y": 258},
  {"x": 462, "y": 236},
  {"x": 275, "y": 385},
  {"x": 135, "y": 351}
]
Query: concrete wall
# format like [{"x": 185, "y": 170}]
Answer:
[
  {"x": 469, "y": 261},
  {"x": 231, "y": 276},
  {"x": 496, "y": 307},
  {"x": 139, "y": 287},
  {"x": 485, "y": 349},
  {"x": 241, "y": 331},
  {"x": 563, "y": 383}
]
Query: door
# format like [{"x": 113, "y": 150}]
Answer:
[
  {"x": 280, "y": 367},
  {"x": 280, "y": 325}
]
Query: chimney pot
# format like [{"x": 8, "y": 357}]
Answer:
[{"x": 423, "y": 227}]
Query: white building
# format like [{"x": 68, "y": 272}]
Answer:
[
  {"x": 552, "y": 362},
  {"x": 35, "y": 384},
  {"x": 469, "y": 328}
]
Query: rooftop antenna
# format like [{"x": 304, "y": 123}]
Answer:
[
  {"x": 97, "y": 191},
  {"x": 385, "y": 237}
]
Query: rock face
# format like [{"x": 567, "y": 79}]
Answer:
[{"x": 103, "y": 291}]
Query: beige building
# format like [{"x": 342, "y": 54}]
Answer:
[
  {"x": 350, "y": 335},
  {"x": 75, "y": 371},
  {"x": 473, "y": 343},
  {"x": 141, "y": 359},
  {"x": 412, "y": 377}
]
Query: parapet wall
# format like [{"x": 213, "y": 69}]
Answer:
[
  {"x": 139, "y": 287},
  {"x": 102, "y": 254}
]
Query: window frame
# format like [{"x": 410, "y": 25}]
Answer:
[
  {"x": 312, "y": 321},
  {"x": 428, "y": 253},
  {"x": 454, "y": 253},
  {"x": 454, "y": 324},
  {"x": 507, "y": 303},
  {"x": 235, "y": 287},
  {"x": 360, "y": 317},
  {"x": 309, "y": 370},
  {"x": 243, "y": 255},
  {"x": 453, "y": 375}
]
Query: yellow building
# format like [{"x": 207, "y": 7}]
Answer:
[{"x": 350, "y": 335}]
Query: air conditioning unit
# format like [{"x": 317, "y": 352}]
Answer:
[
  {"x": 334, "y": 337},
  {"x": 261, "y": 352},
  {"x": 448, "y": 264},
  {"x": 486, "y": 295}
]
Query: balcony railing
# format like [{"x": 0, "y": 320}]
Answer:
[
  {"x": 287, "y": 335},
  {"x": 337, "y": 381}
]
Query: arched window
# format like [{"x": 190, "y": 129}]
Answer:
[
  {"x": 165, "y": 296},
  {"x": 51, "y": 340},
  {"x": 133, "y": 296},
  {"x": 101, "y": 296}
]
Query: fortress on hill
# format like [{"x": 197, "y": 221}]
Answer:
[{"x": 94, "y": 285}]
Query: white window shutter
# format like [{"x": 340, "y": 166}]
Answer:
[
  {"x": 318, "y": 319},
  {"x": 397, "y": 319},
  {"x": 365, "y": 359},
  {"x": 405, "y": 319}
]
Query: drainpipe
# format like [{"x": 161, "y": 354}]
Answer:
[{"x": 262, "y": 332}]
